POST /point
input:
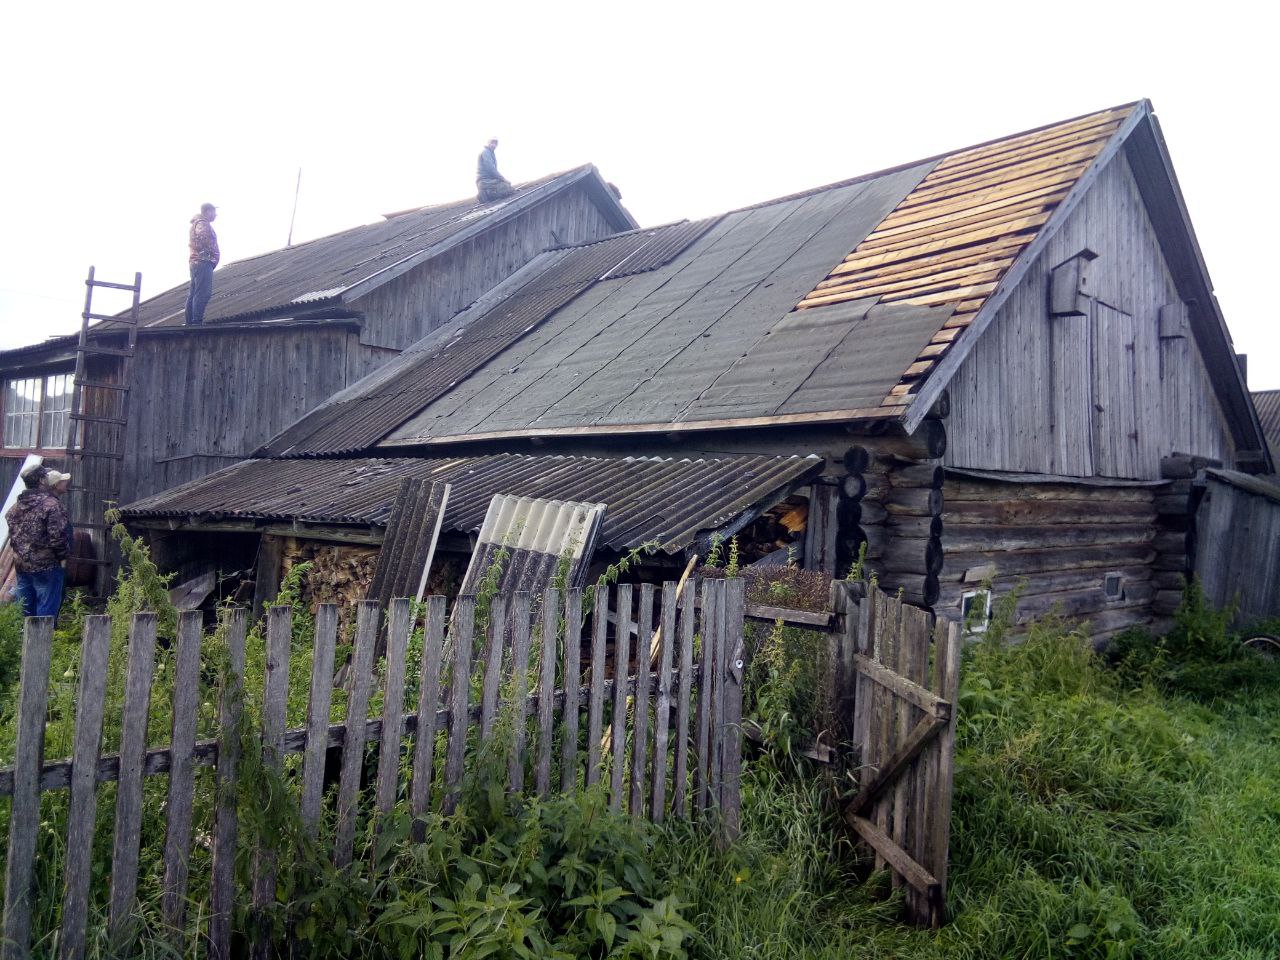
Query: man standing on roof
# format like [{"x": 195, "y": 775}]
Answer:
[
  {"x": 204, "y": 257},
  {"x": 490, "y": 184},
  {"x": 38, "y": 534}
]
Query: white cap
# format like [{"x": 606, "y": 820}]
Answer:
[{"x": 55, "y": 477}]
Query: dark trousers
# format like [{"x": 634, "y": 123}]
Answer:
[
  {"x": 41, "y": 593},
  {"x": 201, "y": 291}
]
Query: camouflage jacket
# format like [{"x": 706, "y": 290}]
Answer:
[
  {"x": 203, "y": 241},
  {"x": 37, "y": 531}
]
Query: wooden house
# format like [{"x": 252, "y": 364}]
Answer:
[
  {"x": 283, "y": 332},
  {"x": 987, "y": 370}
]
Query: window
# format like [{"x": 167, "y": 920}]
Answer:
[
  {"x": 975, "y": 610},
  {"x": 37, "y": 412},
  {"x": 1113, "y": 586}
]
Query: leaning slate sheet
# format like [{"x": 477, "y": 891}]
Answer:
[
  {"x": 410, "y": 541},
  {"x": 543, "y": 540}
]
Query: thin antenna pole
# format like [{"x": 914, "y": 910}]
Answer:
[{"x": 294, "y": 216}]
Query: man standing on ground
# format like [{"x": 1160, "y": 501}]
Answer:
[
  {"x": 38, "y": 526},
  {"x": 490, "y": 184},
  {"x": 204, "y": 257}
]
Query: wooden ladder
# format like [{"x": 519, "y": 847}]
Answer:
[{"x": 99, "y": 418}]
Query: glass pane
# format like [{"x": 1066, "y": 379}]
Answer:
[
  {"x": 21, "y": 410},
  {"x": 57, "y": 404}
]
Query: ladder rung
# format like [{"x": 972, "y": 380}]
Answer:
[
  {"x": 102, "y": 385},
  {"x": 86, "y": 418},
  {"x": 107, "y": 316},
  {"x": 108, "y": 490},
  {"x": 92, "y": 560},
  {"x": 113, "y": 286},
  {"x": 108, "y": 351},
  {"x": 92, "y": 525},
  {"x": 94, "y": 453}
]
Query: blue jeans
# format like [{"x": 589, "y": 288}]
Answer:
[
  {"x": 201, "y": 291},
  {"x": 41, "y": 593}
]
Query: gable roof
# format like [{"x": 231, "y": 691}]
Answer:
[
  {"x": 853, "y": 301},
  {"x": 328, "y": 273}
]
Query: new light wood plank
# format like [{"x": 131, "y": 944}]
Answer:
[
  {"x": 498, "y": 620},
  {"x": 133, "y": 747},
  {"x": 399, "y": 625},
  {"x": 424, "y": 744},
  {"x": 547, "y": 688},
  {"x": 595, "y": 708},
  {"x": 662, "y": 706},
  {"x": 83, "y": 807},
  {"x": 520, "y": 629},
  {"x": 275, "y": 699},
  {"x": 460, "y": 635},
  {"x": 319, "y": 704},
  {"x": 178, "y": 810},
  {"x": 572, "y": 679},
  {"x": 684, "y": 698},
  {"x": 353, "y": 743},
  {"x": 640, "y": 713},
  {"x": 230, "y": 709},
  {"x": 621, "y": 671}
]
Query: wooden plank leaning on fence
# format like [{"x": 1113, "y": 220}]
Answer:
[
  {"x": 639, "y": 780},
  {"x": 906, "y": 676}
]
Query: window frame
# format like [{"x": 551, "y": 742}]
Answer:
[{"x": 40, "y": 413}]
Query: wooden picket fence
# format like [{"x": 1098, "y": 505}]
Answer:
[
  {"x": 897, "y": 677},
  {"x": 671, "y": 747}
]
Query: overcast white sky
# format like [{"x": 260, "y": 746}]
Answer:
[{"x": 119, "y": 120}]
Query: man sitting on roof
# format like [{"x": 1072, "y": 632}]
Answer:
[
  {"x": 204, "y": 257},
  {"x": 490, "y": 184}
]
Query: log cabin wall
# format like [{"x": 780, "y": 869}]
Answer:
[
  {"x": 1061, "y": 540},
  {"x": 408, "y": 308},
  {"x": 1027, "y": 398}
]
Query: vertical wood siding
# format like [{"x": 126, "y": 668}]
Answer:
[
  {"x": 1020, "y": 402},
  {"x": 408, "y": 308}
]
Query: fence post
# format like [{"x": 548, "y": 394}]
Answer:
[
  {"x": 621, "y": 670},
  {"x": 520, "y": 613},
  {"x": 734, "y": 614},
  {"x": 222, "y": 884},
  {"x": 82, "y": 814},
  {"x": 186, "y": 705},
  {"x": 680, "y": 777},
  {"x": 460, "y": 634},
  {"x": 133, "y": 749},
  {"x": 399, "y": 624},
  {"x": 275, "y": 695},
  {"x": 640, "y": 713},
  {"x": 319, "y": 703},
  {"x": 424, "y": 744},
  {"x": 572, "y": 681},
  {"x": 595, "y": 708},
  {"x": 24, "y": 818},
  {"x": 357, "y": 721},
  {"x": 547, "y": 687}
]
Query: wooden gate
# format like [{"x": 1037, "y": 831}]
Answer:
[{"x": 901, "y": 672}]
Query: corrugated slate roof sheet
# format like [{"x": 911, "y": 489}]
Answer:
[
  {"x": 538, "y": 537},
  {"x": 317, "y": 273},
  {"x": 1267, "y": 403},
  {"x": 667, "y": 500},
  {"x": 430, "y": 369},
  {"x": 701, "y": 327}
]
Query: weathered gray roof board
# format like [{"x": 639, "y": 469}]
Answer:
[
  {"x": 671, "y": 501},
  {"x": 328, "y": 273}
]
